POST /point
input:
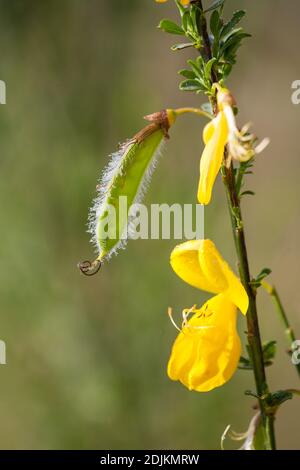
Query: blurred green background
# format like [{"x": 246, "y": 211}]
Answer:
[{"x": 86, "y": 357}]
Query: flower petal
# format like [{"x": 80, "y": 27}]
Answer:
[
  {"x": 215, "y": 136},
  {"x": 185, "y": 262},
  {"x": 183, "y": 2},
  {"x": 199, "y": 263},
  {"x": 206, "y": 353},
  {"x": 209, "y": 130},
  {"x": 216, "y": 269}
]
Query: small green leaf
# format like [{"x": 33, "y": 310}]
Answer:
[
  {"x": 194, "y": 16},
  {"x": 245, "y": 363},
  {"x": 185, "y": 20},
  {"x": 203, "y": 86},
  {"x": 194, "y": 66},
  {"x": 249, "y": 393},
  {"x": 190, "y": 85},
  {"x": 226, "y": 70},
  {"x": 277, "y": 398},
  {"x": 244, "y": 360},
  {"x": 187, "y": 73},
  {"x": 263, "y": 273},
  {"x": 216, "y": 4},
  {"x": 234, "y": 41},
  {"x": 170, "y": 27},
  {"x": 233, "y": 32},
  {"x": 187, "y": 23},
  {"x": 207, "y": 108},
  {"x": 249, "y": 193},
  {"x": 181, "y": 8},
  {"x": 269, "y": 351},
  {"x": 179, "y": 47},
  {"x": 208, "y": 68},
  {"x": 200, "y": 62},
  {"x": 215, "y": 23},
  {"x": 237, "y": 16}
]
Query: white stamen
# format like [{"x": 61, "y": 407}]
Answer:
[
  {"x": 223, "y": 437},
  {"x": 248, "y": 435},
  {"x": 263, "y": 144},
  {"x": 241, "y": 142},
  {"x": 170, "y": 313},
  {"x": 185, "y": 314}
]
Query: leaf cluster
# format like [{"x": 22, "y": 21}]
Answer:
[
  {"x": 269, "y": 352},
  {"x": 225, "y": 39},
  {"x": 245, "y": 168}
]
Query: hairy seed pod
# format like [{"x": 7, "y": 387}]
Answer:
[{"x": 125, "y": 178}]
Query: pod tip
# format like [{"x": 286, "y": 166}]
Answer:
[{"x": 89, "y": 268}]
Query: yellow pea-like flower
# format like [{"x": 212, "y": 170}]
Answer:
[
  {"x": 207, "y": 350},
  {"x": 199, "y": 263},
  {"x": 183, "y": 2},
  {"x": 218, "y": 133},
  {"x": 215, "y": 137}
]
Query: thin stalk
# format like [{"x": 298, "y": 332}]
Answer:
[
  {"x": 289, "y": 332},
  {"x": 294, "y": 391},
  {"x": 253, "y": 333},
  {"x": 199, "y": 112}
]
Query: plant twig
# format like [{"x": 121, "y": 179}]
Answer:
[
  {"x": 289, "y": 332},
  {"x": 202, "y": 28},
  {"x": 199, "y": 112},
  {"x": 253, "y": 333}
]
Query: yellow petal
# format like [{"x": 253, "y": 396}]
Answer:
[
  {"x": 206, "y": 352},
  {"x": 183, "y": 2},
  {"x": 199, "y": 263},
  {"x": 209, "y": 130},
  {"x": 215, "y": 136},
  {"x": 185, "y": 262},
  {"x": 217, "y": 270}
]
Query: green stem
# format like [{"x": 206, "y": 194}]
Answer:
[
  {"x": 294, "y": 391},
  {"x": 199, "y": 112},
  {"x": 253, "y": 333},
  {"x": 289, "y": 332},
  {"x": 270, "y": 431}
]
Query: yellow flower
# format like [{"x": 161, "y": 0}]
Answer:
[
  {"x": 215, "y": 136},
  {"x": 221, "y": 131},
  {"x": 183, "y": 2},
  {"x": 199, "y": 263},
  {"x": 206, "y": 352}
]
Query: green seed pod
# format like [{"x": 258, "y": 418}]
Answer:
[{"x": 125, "y": 178}]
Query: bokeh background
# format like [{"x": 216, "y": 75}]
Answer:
[{"x": 86, "y": 357}]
